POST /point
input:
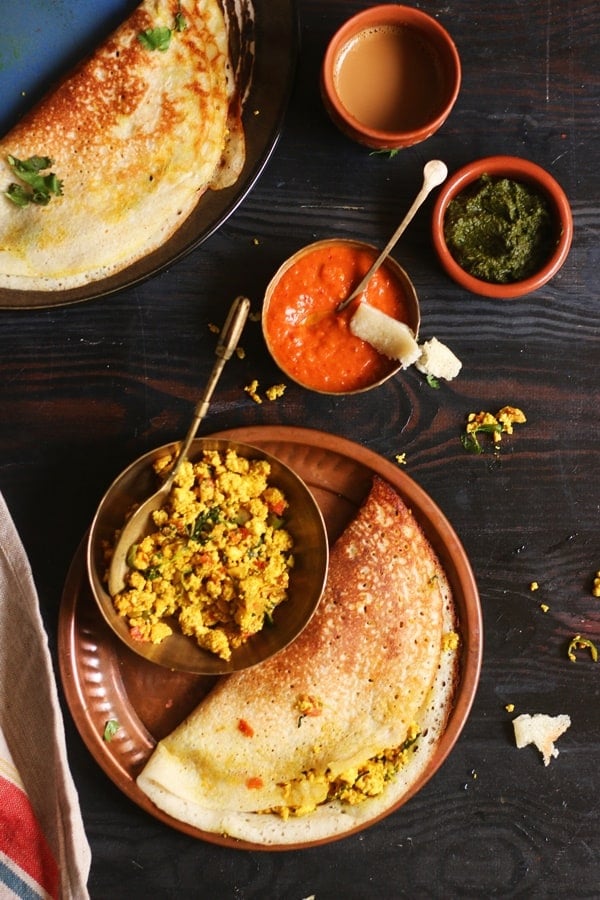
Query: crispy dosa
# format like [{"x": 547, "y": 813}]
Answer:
[
  {"x": 135, "y": 135},
  {"x": 372, "y": 669}
]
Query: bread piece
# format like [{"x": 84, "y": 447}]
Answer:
[
  {"x": 389, "y": 336},
  {"x": 438, "y": 360},
  {"x": 542, "y": 731}
]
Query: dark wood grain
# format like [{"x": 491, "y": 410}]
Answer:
[{"x": 85, "y": 389}]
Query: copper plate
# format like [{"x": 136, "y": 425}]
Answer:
[{"x": 103, "y": 680}]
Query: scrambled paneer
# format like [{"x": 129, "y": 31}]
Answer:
[
  {"x": 252, "y": 391},
  {"x": 494, "y": 425},
  {"x": 218, "y": 562},
  {"x": 272, "y": 393},
  {"x": 450, "y": 641},
  {"x": 355, "y": 785},
  {"x": 275, "y": 391}
]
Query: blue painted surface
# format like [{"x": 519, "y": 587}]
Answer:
[{"x": 41, "y": 39}]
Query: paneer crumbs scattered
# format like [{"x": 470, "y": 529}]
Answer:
[
  {"x": 578, "y": 642},
  {"x": 487, "y": 423},
  {"x": 450, "y": 640},
  {"x": 219, "y": 560},
  {"x": 271, "y": 393},
  {"x": 252, "y": 391},
  {"x": 276, "y": 391}
]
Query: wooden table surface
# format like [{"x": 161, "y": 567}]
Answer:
[{"x": 85, "y": 389}]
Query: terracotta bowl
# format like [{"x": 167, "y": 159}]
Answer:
[
  {"x": 324, "y": 337},
  {"x": 390, "y": 76},
  {"x": 523, "y": 171},
  {"x": 307, "y": 578}
]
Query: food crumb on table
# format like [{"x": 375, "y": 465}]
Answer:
[{"x": 541, "y": 730}]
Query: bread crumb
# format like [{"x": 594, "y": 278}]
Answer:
[
  {"x": 400, "y": 459},
  {"x": 534, "y": 586},
  {"x": 438, "y": 360},
  {"x": 541, "y": 730},
  {"x": 544, "y": 607},
  {"x": 510, "y": 707},
  {"x": 596, "y": 585}
]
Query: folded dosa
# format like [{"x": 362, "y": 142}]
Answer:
[
  {"x": 135, "y": 134},
  {"x": 370, "y": 670}
]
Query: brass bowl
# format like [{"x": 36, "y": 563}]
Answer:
[
  {"x": 304, "y": 521},
  {"x": 369, "y": 378}
]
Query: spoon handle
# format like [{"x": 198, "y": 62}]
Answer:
[
  {"x": 228, "y": 340},
  {"x": 434, "y": 173}
]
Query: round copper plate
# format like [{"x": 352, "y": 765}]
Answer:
[{"x": 103, "y": 680}]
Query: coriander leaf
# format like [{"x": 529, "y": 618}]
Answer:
[
  {"x": 155, "y": 38},
  {"x": 470, "y": 443},
  {"x": 110, "y": 729},
  {"x": 42, "y": 186},
  {"x": 18, "y": 195},
  {"x": 492, "y": 428},
  {"x": 433, "y": 382},
  {"x": 391, "y": 151},
  {"x": 203, "y": 525},
  {"x": 33, "y": 164},
  {"x": 180, "y": 22}
]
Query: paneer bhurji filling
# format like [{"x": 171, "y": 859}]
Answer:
[
  {"x": 218, "y": 562},
  {"x": 352, "y": 786}
]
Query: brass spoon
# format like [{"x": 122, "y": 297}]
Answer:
[
  {"x": 434, "y": 173},
  {"x": 140, "y": 522}
]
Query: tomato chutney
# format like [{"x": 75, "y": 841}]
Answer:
[{"x": 309, "y": 340}]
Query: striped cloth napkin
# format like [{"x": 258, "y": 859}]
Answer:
[{"x": 44, "y": 852}]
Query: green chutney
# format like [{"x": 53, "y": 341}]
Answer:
[{"x": 499, "y": 230}]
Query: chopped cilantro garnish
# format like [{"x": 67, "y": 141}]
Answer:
[
  {"x": 180, "y": 22},
  {"x": 41, "y": 187},
  {"x": 433, "y": 382},
  {"x": 469, "y": 439},
  {"x": 391, "y": 151},
  {"x": 156, "y": 38},
  {"x": 110, "y": 729},
  {"x": 19, "y": 195},
  {"x": 203, "y": 524},
  {"x": 470, "y": 442}
]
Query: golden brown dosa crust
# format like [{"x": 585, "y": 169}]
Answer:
[
  {"x": 367, "y": 660},
  {"x": 137, "y": 136}
]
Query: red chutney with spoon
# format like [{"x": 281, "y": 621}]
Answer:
[{"x": 309, "y": 340}]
